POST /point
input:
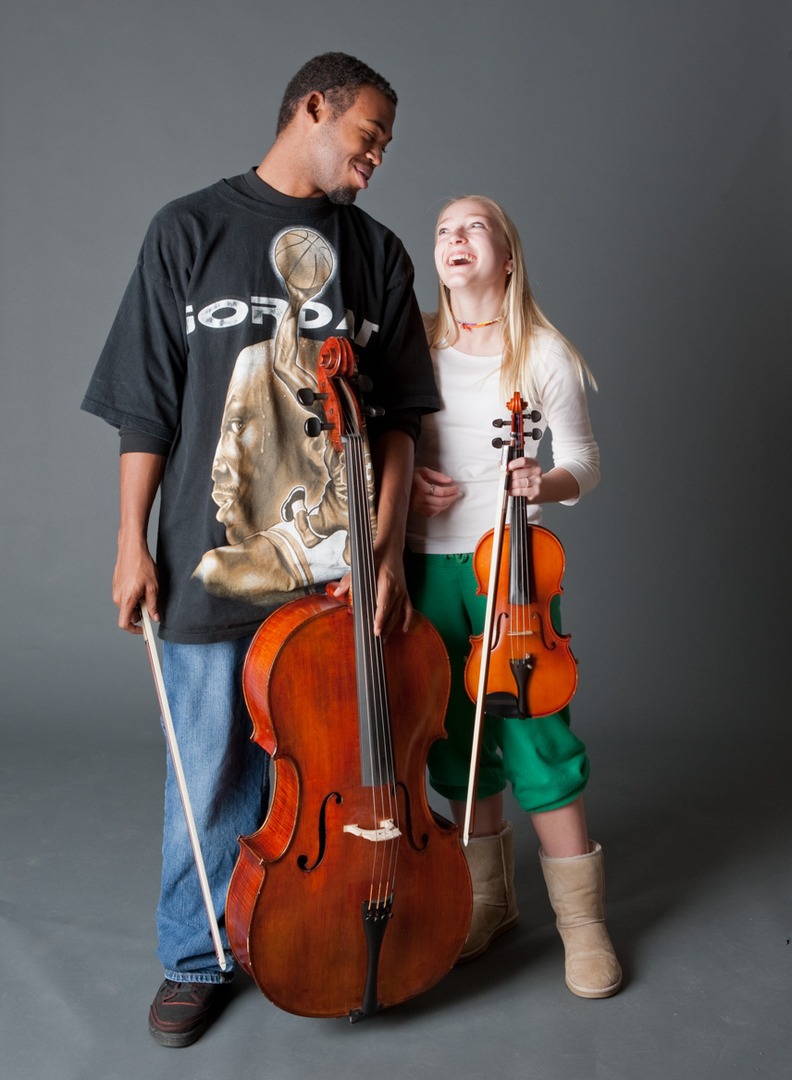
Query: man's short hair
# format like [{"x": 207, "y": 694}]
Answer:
[{"x": 339, "y": 77}]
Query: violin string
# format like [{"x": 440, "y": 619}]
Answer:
[
  {"x": 520, "y": 557},
  {"x": 516, "y": 549}
]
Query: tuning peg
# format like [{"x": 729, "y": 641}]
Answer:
[
  {"x": 365, "y": 385},
  {"x": 373, "y": 410},
  {"x": 500, "y": 423},
  {"x": 534, "y": 416},
  {"x": 534, "y": 433},
  {"x": 313, "y": 426},
  {"x": 307, "y": 396}
]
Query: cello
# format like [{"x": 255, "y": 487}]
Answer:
[
  {"x": 520, "y": 666},
  {"x": 352, "y": 896}
]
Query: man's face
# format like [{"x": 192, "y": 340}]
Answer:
[
  {"x": 239, "y": 458},
  {"x": 349, "y": 147}
]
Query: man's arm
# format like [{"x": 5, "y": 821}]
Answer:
[
  {"x": 393, "y": 454},
  {"x": 135, "y": 575}
]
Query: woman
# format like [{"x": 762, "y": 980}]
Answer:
[{"x": 488, "y": 339}]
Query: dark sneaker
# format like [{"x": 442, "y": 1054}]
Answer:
[{"x": 182, "y": 1011}]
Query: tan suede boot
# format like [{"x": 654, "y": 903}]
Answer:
[
  {"x": 490, "y": 860},
  {"x": 576, "y": 887}
]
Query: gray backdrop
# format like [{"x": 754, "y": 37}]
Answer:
[
  {"x": 643, "y": 150},
  {"x": 644, "y": 153}
]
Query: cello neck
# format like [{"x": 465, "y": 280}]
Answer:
[{"x": 376, "y": 749}]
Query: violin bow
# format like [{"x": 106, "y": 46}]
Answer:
[
  {"x": 173, "y": 746},
  {"x": 489, "y": 619}
]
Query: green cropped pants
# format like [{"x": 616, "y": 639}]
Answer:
[{"x": 543, "y": 760}]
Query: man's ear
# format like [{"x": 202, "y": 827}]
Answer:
[{"x": 314, "y": 106}]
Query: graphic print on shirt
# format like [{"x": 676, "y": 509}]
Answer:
[{"x": 281, "y": 495}]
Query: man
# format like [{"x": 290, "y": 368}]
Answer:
[{"x": 235, "y": 290}]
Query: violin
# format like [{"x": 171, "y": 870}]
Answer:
[
  {"x": 353, "y": 895},
  {"x": 519, "y": 667}
]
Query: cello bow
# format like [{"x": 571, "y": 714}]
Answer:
[{"x": 173, "y": 747}]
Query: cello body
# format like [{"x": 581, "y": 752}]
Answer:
[{"x": 353, "y": 895}]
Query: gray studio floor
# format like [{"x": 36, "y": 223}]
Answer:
[{"x": 698, "y": 881}]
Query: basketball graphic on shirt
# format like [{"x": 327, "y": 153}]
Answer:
[
  {"x": 281, "y": 498},
  {"x": 304, "y": 260}
]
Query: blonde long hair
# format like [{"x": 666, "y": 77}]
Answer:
[{"x": 521, "y": 315}]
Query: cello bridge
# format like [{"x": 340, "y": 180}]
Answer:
[{"x": 386, "y": 831}]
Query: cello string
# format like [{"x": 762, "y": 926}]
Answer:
[
  {"x": 360, "y": 604},
  {"x": 360, "y": 587},
  {"x": 366, "y": 597},
  {"x": 369, "y": 599},
  {"x": 382, "y": 712},
  {"x": 377, "y": 719},
  {"x": 384, "y": 746}
]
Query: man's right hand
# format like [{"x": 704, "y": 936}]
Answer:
[
  {"x": 135, "y": 574},
  {"x": 134, "y": 580}
]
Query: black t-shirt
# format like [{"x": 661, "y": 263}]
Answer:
[{"x": 235, "y": 290}]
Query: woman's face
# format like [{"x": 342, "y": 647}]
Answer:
[{"x": 470, "y": 248}]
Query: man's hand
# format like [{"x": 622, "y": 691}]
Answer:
[
  {"x": 392, "y": 602},
  {"x": 394, "y": 608},
  {"x": 135, "y": 575},
  {"x": 134, "y": 580}
]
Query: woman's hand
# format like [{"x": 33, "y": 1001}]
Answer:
[
  {"x": 432, "y": 492},
  {"x": 526, "y": 479}
]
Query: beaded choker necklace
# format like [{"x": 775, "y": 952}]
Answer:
[{"x": 476, "y": 325}]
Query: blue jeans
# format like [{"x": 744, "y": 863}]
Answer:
[{"x": 227, "y": 780}]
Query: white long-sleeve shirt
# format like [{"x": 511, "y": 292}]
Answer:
[{"x": 457, "y": 440}]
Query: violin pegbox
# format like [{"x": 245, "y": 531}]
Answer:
[{"x": 516, "y": 422}]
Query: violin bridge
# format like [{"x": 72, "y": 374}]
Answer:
[{"x": 386, "y": 831}]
